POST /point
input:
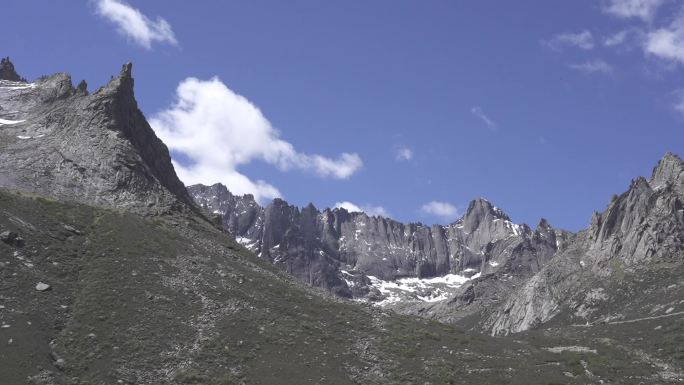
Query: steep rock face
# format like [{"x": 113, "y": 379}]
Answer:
[
  {"x": 641, "y": 233},
  {"x": 118, "y": 162},
  {"x": 239, "y": 214},
  {"x": 668, "y": 172},
  {"x": 508, "y": 264},
  {"x": 337, "y": 249},
  {"x": 7, "y": 71}
]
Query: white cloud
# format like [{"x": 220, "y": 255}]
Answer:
[
  {"x": 668, "y": 42},
  {"x": 643, "y": 9},
  {"x": 583, "y": 40},
  {"x": 368, "y": 209},
  {"x": 444, "y": 210},
  {"x": 616, "y": 38},
  {"x": 218, "y": 130},
  {"x": 132, "y": 24},
  {"x": 477, "y": 111},
  {"x": 626, "y": 39},
  {"x": 593, "y": 66},
  {"x": 404, "y": 153}
]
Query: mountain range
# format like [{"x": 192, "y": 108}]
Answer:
[
  {"x": 339, "y": 251},
  {"x": 112, "y": 271}
]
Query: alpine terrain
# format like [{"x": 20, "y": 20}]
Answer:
[{"x": 113, "y": 272}]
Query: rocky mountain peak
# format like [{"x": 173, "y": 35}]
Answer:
[
  {"x": 279, "y": 202},
  {"x": 7, "y": 71},
  {"x": 481, "y": 210},
  {"x": 216, "y": 188},
  {"x": 93, "y": 148},
  {"x": 126, "y": 70},
  {"x": 639, "y": 230},
  {"x": 121, "y": 86},
  {"x": 210, "y": 197},
  {"x": 310, "y": 207},
  {"x": 82, "y": 87},
  {"x": 670, "y": 169},
  {"x": 640, "y": 183},
  {"x": 544, "y": 225}
]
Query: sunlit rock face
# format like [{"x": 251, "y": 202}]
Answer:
[
  {"x": 340, "y": 250},
  {"x": 95, "y": 148},
  {"x": 631, "y": 251}
]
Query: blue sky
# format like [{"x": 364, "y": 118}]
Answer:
[{"x": 546, "y": 108}]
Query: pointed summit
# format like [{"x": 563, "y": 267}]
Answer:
[
  {"x": 543, "y": 225},
  {"x": 481, "y": 206},
  {"x": 97, "y": 149},
  {"x": 480, "y": 210},
  {"x": 7, "y": 71},
  {"x": 126, "y": 70},
  {"x": 669, "y": 170},
  {"x": 121, "y": 85}
]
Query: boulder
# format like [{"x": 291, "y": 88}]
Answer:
[{"x": 40, "y": 286}]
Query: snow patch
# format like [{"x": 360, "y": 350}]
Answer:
[
  {"x": 576, "y": 349},
  {"x": 346, "y": 274},
  {"x": 514, "y": 227},
  {"x": 10, "y": 85},
  {"x": 437, "y": 298},
  {"x": 243, "y": 240},
  {"x": 7, "y": 122},
  {"x": 423, "y": 289}
]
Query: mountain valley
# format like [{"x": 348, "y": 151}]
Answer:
[{"x": 113, "y": 272}]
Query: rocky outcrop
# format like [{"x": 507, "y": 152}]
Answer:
[
  {"x": 524, "y": 277},
  {"x": 7, "y": 71},
  {"x": 510, "y": 263},
  {"x": 333, "y": 247},
  {"x": 640, "y": 233},
  {"x": 96, "y": 148},
  {"x": 240, "y": 215}
]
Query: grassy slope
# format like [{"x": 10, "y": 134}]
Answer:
[{"x": 174, "y": 301}]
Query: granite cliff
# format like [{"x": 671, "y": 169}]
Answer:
[
  {"x": 94, "y": 148},
  {"x": 339, "y": 250}
]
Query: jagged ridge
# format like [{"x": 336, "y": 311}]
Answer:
[
  {"x": 640, "y": 235},
  {"x": 7, "y": 71},
  {"x": 326, "y": 248},
  {"x": 96, "y": 148}
]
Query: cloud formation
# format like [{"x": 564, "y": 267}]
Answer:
[
  {"x": 404, "y": 153},
  {"x": 368, "y": 209},
  {"x": 214, "y": 131},
  {"x": 667, "y": 42},
  {"x": 593, "y": 66},
  {"x": 616, "y": 38},
  {"x": 444, "y": 210},
  {"x": 583, "y": 40},
  {"x": 134, "y": 25},
  {"x": 478, "y": 112},
  {"x": 642, "y": 9}
]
